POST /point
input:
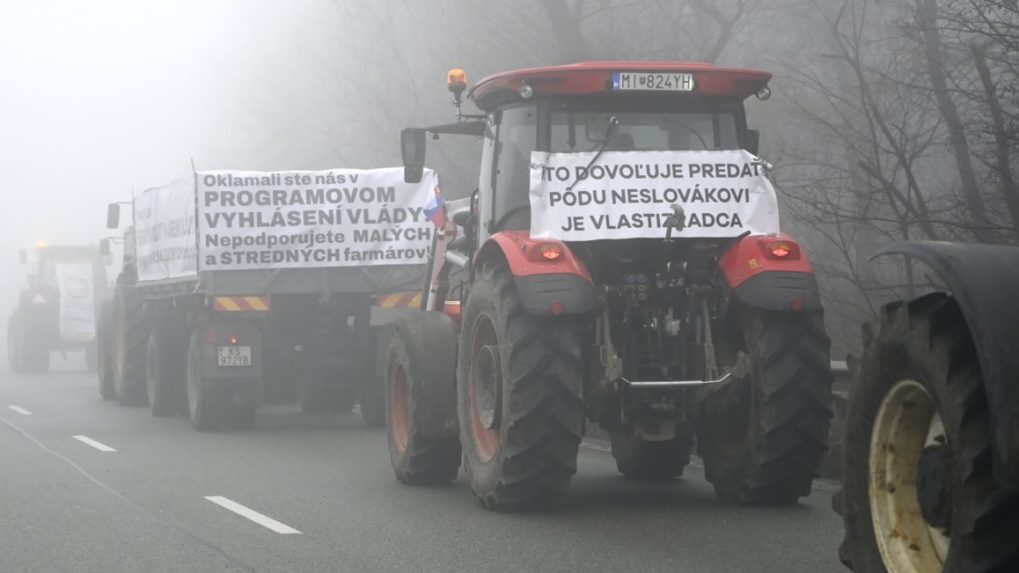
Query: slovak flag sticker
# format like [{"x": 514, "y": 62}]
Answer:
[{"x": 435, "y": 208}]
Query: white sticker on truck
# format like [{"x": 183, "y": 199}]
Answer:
[
  {"x": 77, "y": 301},
  {"x": 308, "y": 219},
  {"x": 637, "y": 195},
  {"x": 164, "y": 228}
]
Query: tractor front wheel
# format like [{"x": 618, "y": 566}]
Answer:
[{"x": 519, "y": 395}]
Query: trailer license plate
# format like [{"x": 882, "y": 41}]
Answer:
[
  {"x": 652, "y": 81},
  {"x": 234, "y": 356}
]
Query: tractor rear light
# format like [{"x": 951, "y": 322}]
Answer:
[
  {"x": 781, "y": 250},
  {"x": 551, "y": 251},
  {"x": 233, "y": 340}
]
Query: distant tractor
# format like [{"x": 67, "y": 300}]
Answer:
[
  {"x": 686, "y": 335},
  {"x": 57, "y": 309},
  {"x": 931, "y": 458}
]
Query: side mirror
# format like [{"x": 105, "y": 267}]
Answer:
[
  {"x": 23, "y": 256},
  {"x": 753, "y": 141},
  {"x": 112, "y": 215},
  {"x": 104, "y": 247},
  {"x": 412, "y": 146}
]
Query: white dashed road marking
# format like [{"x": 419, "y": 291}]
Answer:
[
  {"x": 97, "y": 445},
  {"x": 246, "y": 512},
  {"x": 20, "y": 410}
]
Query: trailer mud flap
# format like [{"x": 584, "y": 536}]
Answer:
[{"x": 983, "y": 278}]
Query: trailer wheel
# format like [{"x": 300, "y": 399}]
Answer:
[
  {"x": 166, "y": 374},
  {"x": 918, "y": 490},
  {"x": 206, "y": 403},
  {"x": 519, "y": 390},
  {"x": 104, "y": 358},
  {"x": 651, "y": 460},
  {"x": 130, "y": 338},
  {"x": 416, "y": 365},
  {"x": 763, "y": 437}
]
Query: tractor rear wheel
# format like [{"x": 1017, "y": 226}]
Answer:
[
  {"x": 420, "y": 416},
  {"x": 652, "y": 460},
  {"x": 14, "y": 343},
  {"x": 519, "y": 395},
  {"x": 762, "y": 438},
  {"x": 130, "y": 340},
  {"x": 918, "y": 491}
]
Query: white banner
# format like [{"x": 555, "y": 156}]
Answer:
[
  {"x": 631, "y": 194},
  {"x": 299, "y": 219},
  {"x": 77, "y": 301},
  {"x": 164, "y": 227}
]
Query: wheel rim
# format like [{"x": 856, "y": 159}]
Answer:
[
  {"x": 399, "y": 408},
  {"x": 906, "y": 423},
  {"x": 483, "y": 378}
]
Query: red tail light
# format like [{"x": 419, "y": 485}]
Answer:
[
  {"x": 780, "y": 250},
  {"x": 551, "y": 251}
]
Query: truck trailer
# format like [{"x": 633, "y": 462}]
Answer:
[{"x": 243, "y": 287}]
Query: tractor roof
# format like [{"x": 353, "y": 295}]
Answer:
[{"x": 596, "y": 78}]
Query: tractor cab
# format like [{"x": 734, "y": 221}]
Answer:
[
  {"x": 620, "y": 261},
  {"x": 596, "y": 106}
]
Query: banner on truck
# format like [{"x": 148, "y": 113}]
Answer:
[
  {"x": 302, "y": 219},
  {"x": 631, "y": 194},
  {"x": 164, "y": 227},
  {"x": 75, "y": 282}
]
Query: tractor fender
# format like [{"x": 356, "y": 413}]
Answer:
[
  {"x": 560, "y": 286},
  {"x": 983, "y": 279},
  {"x": 761, "y": 280}
]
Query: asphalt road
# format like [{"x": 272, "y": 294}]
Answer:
[{"x": 326, "y": 500}]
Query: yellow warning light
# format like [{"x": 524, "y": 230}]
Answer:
[
  {"x": 41, "y": 245},
  {"x": 456, "y": 79}
]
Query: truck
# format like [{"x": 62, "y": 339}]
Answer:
[
  {"x": 56, "y": 311},
  {"x": 240, "y": 288},
  {"x": 620, "y": 263},
  {"x": 931, "y": 450}
]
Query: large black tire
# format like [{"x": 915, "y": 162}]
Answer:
[
  {"x": 647, "y": 460},
  {"x": 206, "y": 403},
  {"x": 130, "y": 339},
  {"x": 421, "y": 361},
  {"x": 923, "y": 363},
  {"x": 104, "y": 358},
  {"x": 33, "y": 346},
  {"x": 166, "y": 371},
  {"x": 519, "y": 396},
  {"x": 14, "y": 341},
  {"x": 762, "y": 438}
]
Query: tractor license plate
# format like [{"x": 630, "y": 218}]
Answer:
[
  {"x": 652, "y": 81},
  {"x": 234, "y": 356}
]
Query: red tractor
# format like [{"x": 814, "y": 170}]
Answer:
[{"x": 663, "y": 340}]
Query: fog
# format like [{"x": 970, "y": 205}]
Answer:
[
  {"x": 101, "y": 98},
  {"x": 881, "y": 127}
]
